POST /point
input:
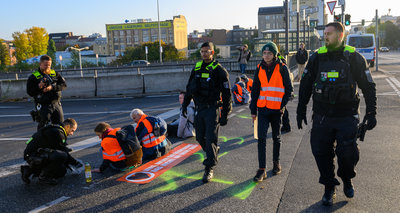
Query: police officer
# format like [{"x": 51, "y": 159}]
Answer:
[
  {"x": 45, "y": 86},
  {"x": 331, "y": 77},
  {"x": 208, "y": 83},
  {"x": 271, "y": 91},
  {"x": 47, "y": 153}
]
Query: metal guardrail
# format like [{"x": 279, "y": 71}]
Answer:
[{"x": 230, "y": 65}]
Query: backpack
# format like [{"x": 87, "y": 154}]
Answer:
[
  {"x": 160, "y": 127},
  {"x": 130, "y": 145}
]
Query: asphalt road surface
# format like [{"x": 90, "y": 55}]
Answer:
[{"x": 180, "y": 189}]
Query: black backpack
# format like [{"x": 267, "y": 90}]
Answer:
[{"x": 127, "y": 139}]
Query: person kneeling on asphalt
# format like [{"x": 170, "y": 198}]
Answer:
[
  {"x": 151, "y": 132},
  {"x": 183, "y": 127},
  {"x": 119, "y": 146},
  {"x": 47, "y": 153},
  {"x": 240, "y": 93}
]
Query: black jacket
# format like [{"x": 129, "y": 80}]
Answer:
[
  {"x": 287, "y": 83},
  {"x": 221, "y": 88},
  {"x": 51, "y": 137},
  {"x": 301, "y": 56},
  {"x": 361, "y": 74},
  {"x": 49, "y": 97}
]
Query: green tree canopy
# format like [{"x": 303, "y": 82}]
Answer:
[
  {"x": 4, "y": 55},
  {"x": 32, "y": 42},
  {"x": 51, "y": 51}
]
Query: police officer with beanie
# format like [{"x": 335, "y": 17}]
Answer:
[
  {"x": 271, "y": 91},
  {"x": 47, "y": 153},
  {"x": 209, "y": 87},
  {"x": 45, "y": 86},
  {"x": 332, "y": 76}
]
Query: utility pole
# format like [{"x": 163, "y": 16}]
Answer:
[
  {"x": 304, "y": 26},
  {"x": 298, "y": 24},
  {"x": 377, "y": 40},
  {"x": 287, "y": 28},
  {"x": 159, "y": 32}
]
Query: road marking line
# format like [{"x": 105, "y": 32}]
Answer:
[
  {"x": 241, "y": 110},
  {"x": 394, "y": 80},
  {"x": 14, "y": 139},
  {"x": 393, "y": 86},
  {"x": 50, "y": 204},
  {"x": 231, "y": 115}
]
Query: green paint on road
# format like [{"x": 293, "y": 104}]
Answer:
[{"x": 246, "y": 192}]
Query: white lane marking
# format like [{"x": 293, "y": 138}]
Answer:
[
  {"x": 10, "y": 107},
  {"x": 84, "y": 113},
  {"x": 386, "y": 93},
  {"x": 394, "y": 80},
  {"x": 393, "y": 86},
  {"x": 50, "y": 204},
  {"x": 231, "y": 115},
  {"x": 7, "y": 170},
  {"x": 240, "y": 110},
  {"x": 14, "y": 139}
]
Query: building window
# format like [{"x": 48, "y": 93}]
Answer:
[
  {"x": 116, "y": 40},
  {"x": 116, "y": 33},
  {"x": 116, "y": 47},
  {"x": 121, "y": 32},
  {"x": 128, "y": 32},
  {"x": 146, "y": 38},
  {"x": 128, "y": 39},
  {"x": 136, "y": 39}
]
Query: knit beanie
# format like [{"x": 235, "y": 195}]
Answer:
[{"x": 270, "y": 46}]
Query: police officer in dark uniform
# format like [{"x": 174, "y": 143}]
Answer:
[
  {"x": 45, "y": 86},
  {"x": 47, "y": 153},
  {"x": 208, "y": 83},
  {"x": 332, "y": 76}
]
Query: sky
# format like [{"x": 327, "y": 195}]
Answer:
[{"x": 85, "y": 17}]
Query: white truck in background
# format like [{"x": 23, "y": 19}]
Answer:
[{"x": 365, "y": 45}]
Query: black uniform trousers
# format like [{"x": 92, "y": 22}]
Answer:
[
  {"x": 54, "y": 163},
  {"x": 206, "y": 123},
  {"x": 51, "y": 112},
  {"x": 266, "y": 117},
  {"x": 325, "y": 131}
]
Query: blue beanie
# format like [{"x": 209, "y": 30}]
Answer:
[{"x": 270, "y": 46}]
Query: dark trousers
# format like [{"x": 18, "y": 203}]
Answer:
[
  {"x": 206, "y": 123},
  {"x": 266, "y": 117},
  {"x": 51, "y": 112},
  {"x": 243, "y": 68},
  {"x": 55, "y": 165},
  {"x": 285, "y": 119},
  {"x": 325, "y": 131}
]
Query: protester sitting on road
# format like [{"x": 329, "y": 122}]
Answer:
[
  {"x": 183, "y": 126},
  {"x": 47, "y": 153},
  {"x": 113, "y": 156},
  {"x": 151, "y": 132},
  {"x": 248, "y": 81},
  {"x": 240, "y": 93}
]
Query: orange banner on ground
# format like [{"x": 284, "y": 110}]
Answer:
[{"x": 151, "y": 170}]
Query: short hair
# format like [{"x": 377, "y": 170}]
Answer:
[
  {"x": 237, "y": 79},
  {"x": 136, "y": 112},
  {"x": 70, "y": 122},
  {"x": 208, "y": 44},
  {"x": 182, "y": 93},
  {"x": 102, "y": 127},
  {"x": 337, "y": 25},
  {"x": 45, "y": 58},
  {"x": 302, "y": 43}
]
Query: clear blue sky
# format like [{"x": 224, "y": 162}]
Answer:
[{"x": 85, "y": 17}]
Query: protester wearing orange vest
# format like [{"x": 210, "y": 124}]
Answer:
[
  {"x": 271, "y": 91},
  {"x": 151, "y": 132},
  {"x": 240, "y": 93},
  {"x": 248, "y": 81},
  {"x": 113, "y": 156}
]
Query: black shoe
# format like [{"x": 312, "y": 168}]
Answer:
[
  {"x": 348, "y": 188},
  {"x": 277, "y": 168},
  {"x": 47, "y": 180},
  {"x": 260, "y": 176},
  {"x": 329, "y": 196},
  {"x": 25, "y": 174},
  {"x": 208, "y": 175},
  {"x": 285, "y": 130}
]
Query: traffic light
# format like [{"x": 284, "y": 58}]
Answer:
[
  {"x": 347, "y": 19},
  {"x": 362, "y": 22},
  {"x": 337, "y": 18}
]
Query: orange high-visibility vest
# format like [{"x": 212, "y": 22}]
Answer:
[
  {"x": 111, "y": 149},
  {"x": 239, "y": 94},
  {"x": 249, "y": 84},
  {"x": 149, "y": 140},
  {"x": 272, "y": 91}
]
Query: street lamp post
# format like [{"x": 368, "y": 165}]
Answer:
[
  {"x": 80, "y": 60},
  {"x": 304, "y": 25},
  {"x": 298, "y": 24},
  {"x": 308, "y": 32},
  {"x": 159, "y": 31}
]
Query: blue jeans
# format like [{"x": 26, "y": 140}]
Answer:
[{"x": 243, "y": 68}]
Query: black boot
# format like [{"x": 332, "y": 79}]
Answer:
[
  {"x": 276, "y": 170},
  {"x": 208, "y": 175},
  {"x": 260, "y": 176},
  {"x": 329, "y": 196},
  {"x": 348, "y": 188},
  {"x": 47, "y": 180},
  {"x": 25, "y": 174}
]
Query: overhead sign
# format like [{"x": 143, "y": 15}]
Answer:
[
  {"x": 331, "y": 6},
  {"x": 151, "y": 170}
]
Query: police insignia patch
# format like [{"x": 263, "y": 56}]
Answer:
[
  {"x": 226, "y": 84},
  {"x": 324, "y": 76}
]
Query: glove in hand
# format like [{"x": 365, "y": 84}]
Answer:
[
  {"x": 301, "y": 116},
  {"x": 370, "y": 119}
]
